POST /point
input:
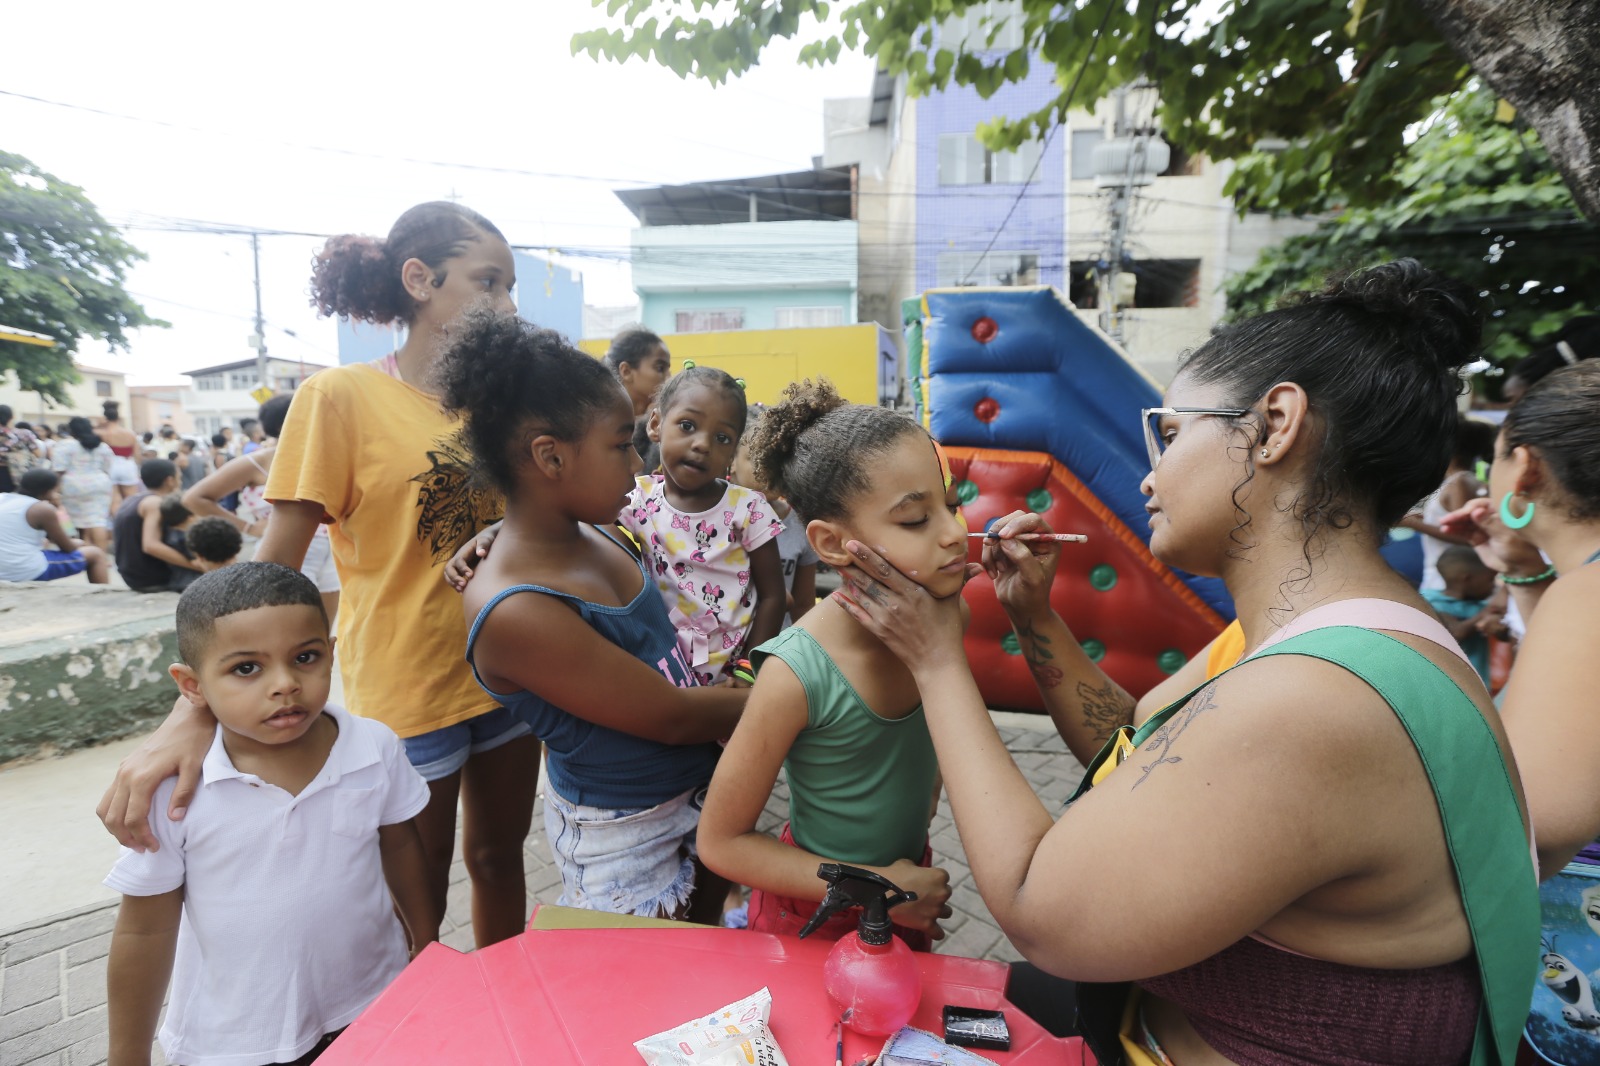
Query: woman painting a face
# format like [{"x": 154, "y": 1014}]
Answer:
[{"x": 1292, "y": 794}]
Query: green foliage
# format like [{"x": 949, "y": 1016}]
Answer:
[
  {"x": 1476, "y": 199},
  {"x": 1264, "y": 70},
  {"x": 62, "y": 268}
]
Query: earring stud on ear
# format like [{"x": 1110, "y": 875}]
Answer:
[{"x": 1265, "y": 454}]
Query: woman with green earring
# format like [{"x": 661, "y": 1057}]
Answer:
[{"x": 1540, "y": 527}]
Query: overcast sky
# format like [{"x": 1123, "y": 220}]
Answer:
[{"x": 255, "y": 90}]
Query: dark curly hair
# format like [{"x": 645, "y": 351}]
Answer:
[
  {"x": 359, "y": 277},
  {"x": 711, "y": 378},
  {"x": 1379, "y": 353},
  {"x": 213, "y": 539},
  {"x": 1560, "y": 416},
  {"x": 813, "y": 448},
  {"x": 512, "y": 381},
  {"x": 632, "y": 346}
]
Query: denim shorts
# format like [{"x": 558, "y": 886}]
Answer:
[
  {"x": 632, "y": 860},
  {"x": 444, "y": 751}
]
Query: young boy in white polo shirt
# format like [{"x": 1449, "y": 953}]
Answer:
[{"x": 274, "y": 892}]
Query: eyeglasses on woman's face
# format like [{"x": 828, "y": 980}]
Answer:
[{"x": 1155, "y": 442}]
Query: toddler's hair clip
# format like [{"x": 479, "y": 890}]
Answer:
[
  {"x": 688, "y": 364},
  {"x": 739, "y": 382}
]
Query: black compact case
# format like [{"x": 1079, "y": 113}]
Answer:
[{"x": 971, "y": 1027}]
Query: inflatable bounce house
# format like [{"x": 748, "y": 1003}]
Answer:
[{"x": 1039, "y": 411}]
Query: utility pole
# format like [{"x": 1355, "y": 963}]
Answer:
[
  {"x": 259, "y": 341},
  {"x": 1130, "y": 159}
]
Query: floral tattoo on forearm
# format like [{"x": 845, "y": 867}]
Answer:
[
  {"x": 1105, "y": 709},
  {"x": 1035, "y": 647}
]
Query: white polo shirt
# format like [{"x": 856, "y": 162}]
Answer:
[{"x": 287, "y": 930}]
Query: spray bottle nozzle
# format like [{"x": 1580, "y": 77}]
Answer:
[{"x": 851, "y": 886}]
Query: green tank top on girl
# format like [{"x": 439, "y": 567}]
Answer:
[{"x": 860, "y": 786}]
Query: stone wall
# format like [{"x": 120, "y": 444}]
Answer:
[{"x": 81, "y": 665}]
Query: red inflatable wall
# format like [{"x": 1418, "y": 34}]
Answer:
[{"x": 1131, "y": 613}]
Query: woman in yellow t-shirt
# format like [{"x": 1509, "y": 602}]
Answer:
[{"x": 368, "y": 450}]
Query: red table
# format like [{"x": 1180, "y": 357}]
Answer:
[{"x": 558, "y": 996}]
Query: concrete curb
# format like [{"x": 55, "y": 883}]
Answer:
[{"x": 106, "y": 678}]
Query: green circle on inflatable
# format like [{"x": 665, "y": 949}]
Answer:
[
  {"x": 1009, "y": 644},
  {"x": 1103, "y": 578},
  {"x": 966, "y": 492},
  {"x": 1040, "y": 501},
  {"x": 1171, "y": 661},
  {"x": 1094, "y": 650}
]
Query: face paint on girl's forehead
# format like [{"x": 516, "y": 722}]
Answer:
[
  {"x": 944, "y": 463},
  {"x": 949, "y": 478}
]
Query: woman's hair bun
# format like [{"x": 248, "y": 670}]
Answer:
[
  {"x": 1440, "y": 313},
  {"x": 353, "y": 277},
  {"x": 778, "y": 435}
]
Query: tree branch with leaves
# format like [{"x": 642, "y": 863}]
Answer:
[
  {"x": 1332, "y": 85},
  {"x": 62, "y": 269}
]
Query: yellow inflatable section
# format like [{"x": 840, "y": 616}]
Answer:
[{"x": 860, "y": 360}]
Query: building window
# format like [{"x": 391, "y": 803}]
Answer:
[
  {"x": 706, "y": 321},
  {"x": 972, "y": 28},
  {"x": 995, "y": 269},
  {"x": 965, "y": 161},
  {"x": 807, "y": 317},
  {"x": 1166, "y": 283},
  {"x": 1083, "y": 146},
  {"x": 102, "y": 387},
  {"x": 1141, "y": 283},
  {"x": 210, "y": 383},
  {"x": 244, "y": 379}
]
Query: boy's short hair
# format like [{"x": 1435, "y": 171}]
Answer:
[
  {"x": 240, "y": 587},
  {"x": 1459, "y": 560},
  {"x": 173, "y": 511},
  {"x": 154, "y": 472},
  {"x": 216, "y": 540}
]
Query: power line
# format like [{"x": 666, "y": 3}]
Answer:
[
  {"x": 1066, "y": 104},
  {"x": 381, "y": 157}
]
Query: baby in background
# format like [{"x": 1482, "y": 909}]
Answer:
[
  {"x": 213, "y": 542},
  {"x": 272, "y": 906},
  {"x": 1463, "y": 604}
]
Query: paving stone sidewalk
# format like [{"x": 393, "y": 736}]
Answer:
[{"x": 53, "y": 973}]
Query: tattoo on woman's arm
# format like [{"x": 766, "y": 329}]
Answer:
[
  {"x": 1105, "y": 709},
  {"x": 1036, "y": 653},
  {"x": 1161, "y": 743}
]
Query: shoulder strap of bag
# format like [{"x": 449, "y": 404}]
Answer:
[{"x": 1477, "y": 806}]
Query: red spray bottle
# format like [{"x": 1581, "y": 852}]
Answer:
[{"x": 870, "y": 974}]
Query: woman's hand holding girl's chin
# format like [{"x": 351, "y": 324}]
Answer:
[{"x": 919, "y": 629}]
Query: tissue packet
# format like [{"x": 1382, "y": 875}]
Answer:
[
  {"x": 917, "y": 1047},
  {"x": 735, "y": 1035}
]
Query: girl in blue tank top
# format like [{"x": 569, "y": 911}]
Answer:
[{"x": 567, "y": 629}]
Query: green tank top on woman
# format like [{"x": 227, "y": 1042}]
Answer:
[{"x": 860, "y": 786}]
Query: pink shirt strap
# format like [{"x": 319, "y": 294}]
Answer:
[{"x": 1370, "y": 614}]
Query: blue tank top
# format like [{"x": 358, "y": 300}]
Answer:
[{"x": 590, "y": 764}]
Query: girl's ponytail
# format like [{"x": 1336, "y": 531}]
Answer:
[
  {"x": 359, "y": 277},
  {"x": 353, "y": 277},
  {"x": 814, "y": 446}
]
